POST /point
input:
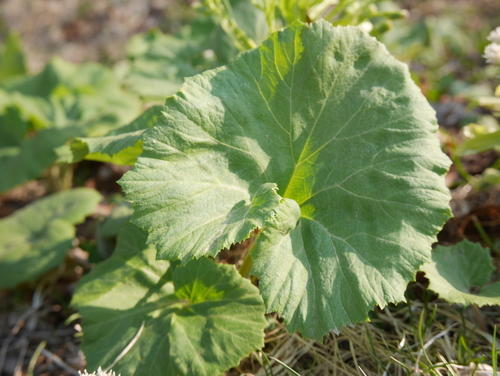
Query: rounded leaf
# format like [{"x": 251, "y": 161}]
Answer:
[
  {"x": 461, "y": 274},
  {"x": 146, "y": 317},
  {"x": 328, "y": 116}
]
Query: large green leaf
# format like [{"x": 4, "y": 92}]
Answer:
[
  {"x": 121, "y": 146},
  {"x": 462, "y": 274},
  {"x": 142, "y": 318},
  {"x": 36, "y": 238},
  {"x": 338, "y": 125}
]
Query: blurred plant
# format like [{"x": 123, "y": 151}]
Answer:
[
  {"x": 36, "y": 238},
  {"x": 248, "y": 22},
  {"x": 444, "y": 52},
  {"x": 492, "y": 50},
  {"x": 157, "y": 63},
  {"x": 39, "y": 113},
  {"x": 12, "y": 59}
]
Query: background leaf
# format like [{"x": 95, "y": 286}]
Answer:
[
  {"x": 140, "y": 317},
  {"x": 66, "y": 94},
  {"x": 66, "y": 99},
  {"x": 158, "y": 63},
  {"x": 35, "y": 239},
  {"x": 32, "y": 156},
  {"x": 12, "y": 59},
  {"x": 462, "y": 274},
  {"x": 120, "y": 146}
]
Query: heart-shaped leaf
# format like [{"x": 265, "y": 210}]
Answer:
[
  {"x": 328, "y": 116},
  {"x": 145, "y": 317}
]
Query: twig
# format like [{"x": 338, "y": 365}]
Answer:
[
  {"x": 20, "y": 359},
  {"x": 59, "y": 362},
  {"x": 36, "y": 303}
]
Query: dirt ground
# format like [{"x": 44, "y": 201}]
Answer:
[{"x": 83, "y": 30}]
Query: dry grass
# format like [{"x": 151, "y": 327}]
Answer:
[{"x": 409, "y": 339}]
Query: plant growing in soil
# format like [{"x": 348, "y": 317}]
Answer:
[{"x": 320, "y": 146}]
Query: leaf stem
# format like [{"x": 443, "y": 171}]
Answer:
[
  {"x": 246, "y": 266},
  {"x": 484, "y": 236},
  {"x": 60, "y": 177}
]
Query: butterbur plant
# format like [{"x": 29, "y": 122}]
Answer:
[{"x": 320, "y": 145}]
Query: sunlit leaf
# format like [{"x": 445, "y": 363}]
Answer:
[
  {"x": 142, "y": 318},
  {"x": 333, "y": 121},
  {"x": 121, "y": 146}
]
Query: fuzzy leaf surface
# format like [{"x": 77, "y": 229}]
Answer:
[
  {"x": 35, "y": 239},
  {"x": 331, "y": 118},
  {"x": 461, "y": 274},
  {"x": 197, "y": 319}
]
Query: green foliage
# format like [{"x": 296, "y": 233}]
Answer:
[
  {"x": 317, "y": 144},
  {"x": 462, "y": 274},
  {"x": 447, "y": 49},
  {"x": 120, "y": 146},
  {"x": 311, "y": 163},
  {"x": 480, "y": 138},
  {"x": 157, "y": 63},
  {"x": 32, "y": 156},
  {"x": 65, "y": 94},
  {"x": 246, "y": 23},
  {"x": 65, "y": 99},
  {"x": 12, "y": 60},
  {"x": 36, "y": 238},
  {"x": 147, "y": 317}
]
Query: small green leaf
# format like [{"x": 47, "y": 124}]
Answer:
[
  {"x": 34, "y": 154},
  {"x": 142, "y": 318},
  {"x": 121, "y": 146},
  {"x": 13, "y": 128},
  {"x": 479, "y": 143},
  {"x": 35, "y": 239},
  {"x": 462, "y": 274},
  {"x": 328, "y": 116},
  {"x": 12, "y": 60}
]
